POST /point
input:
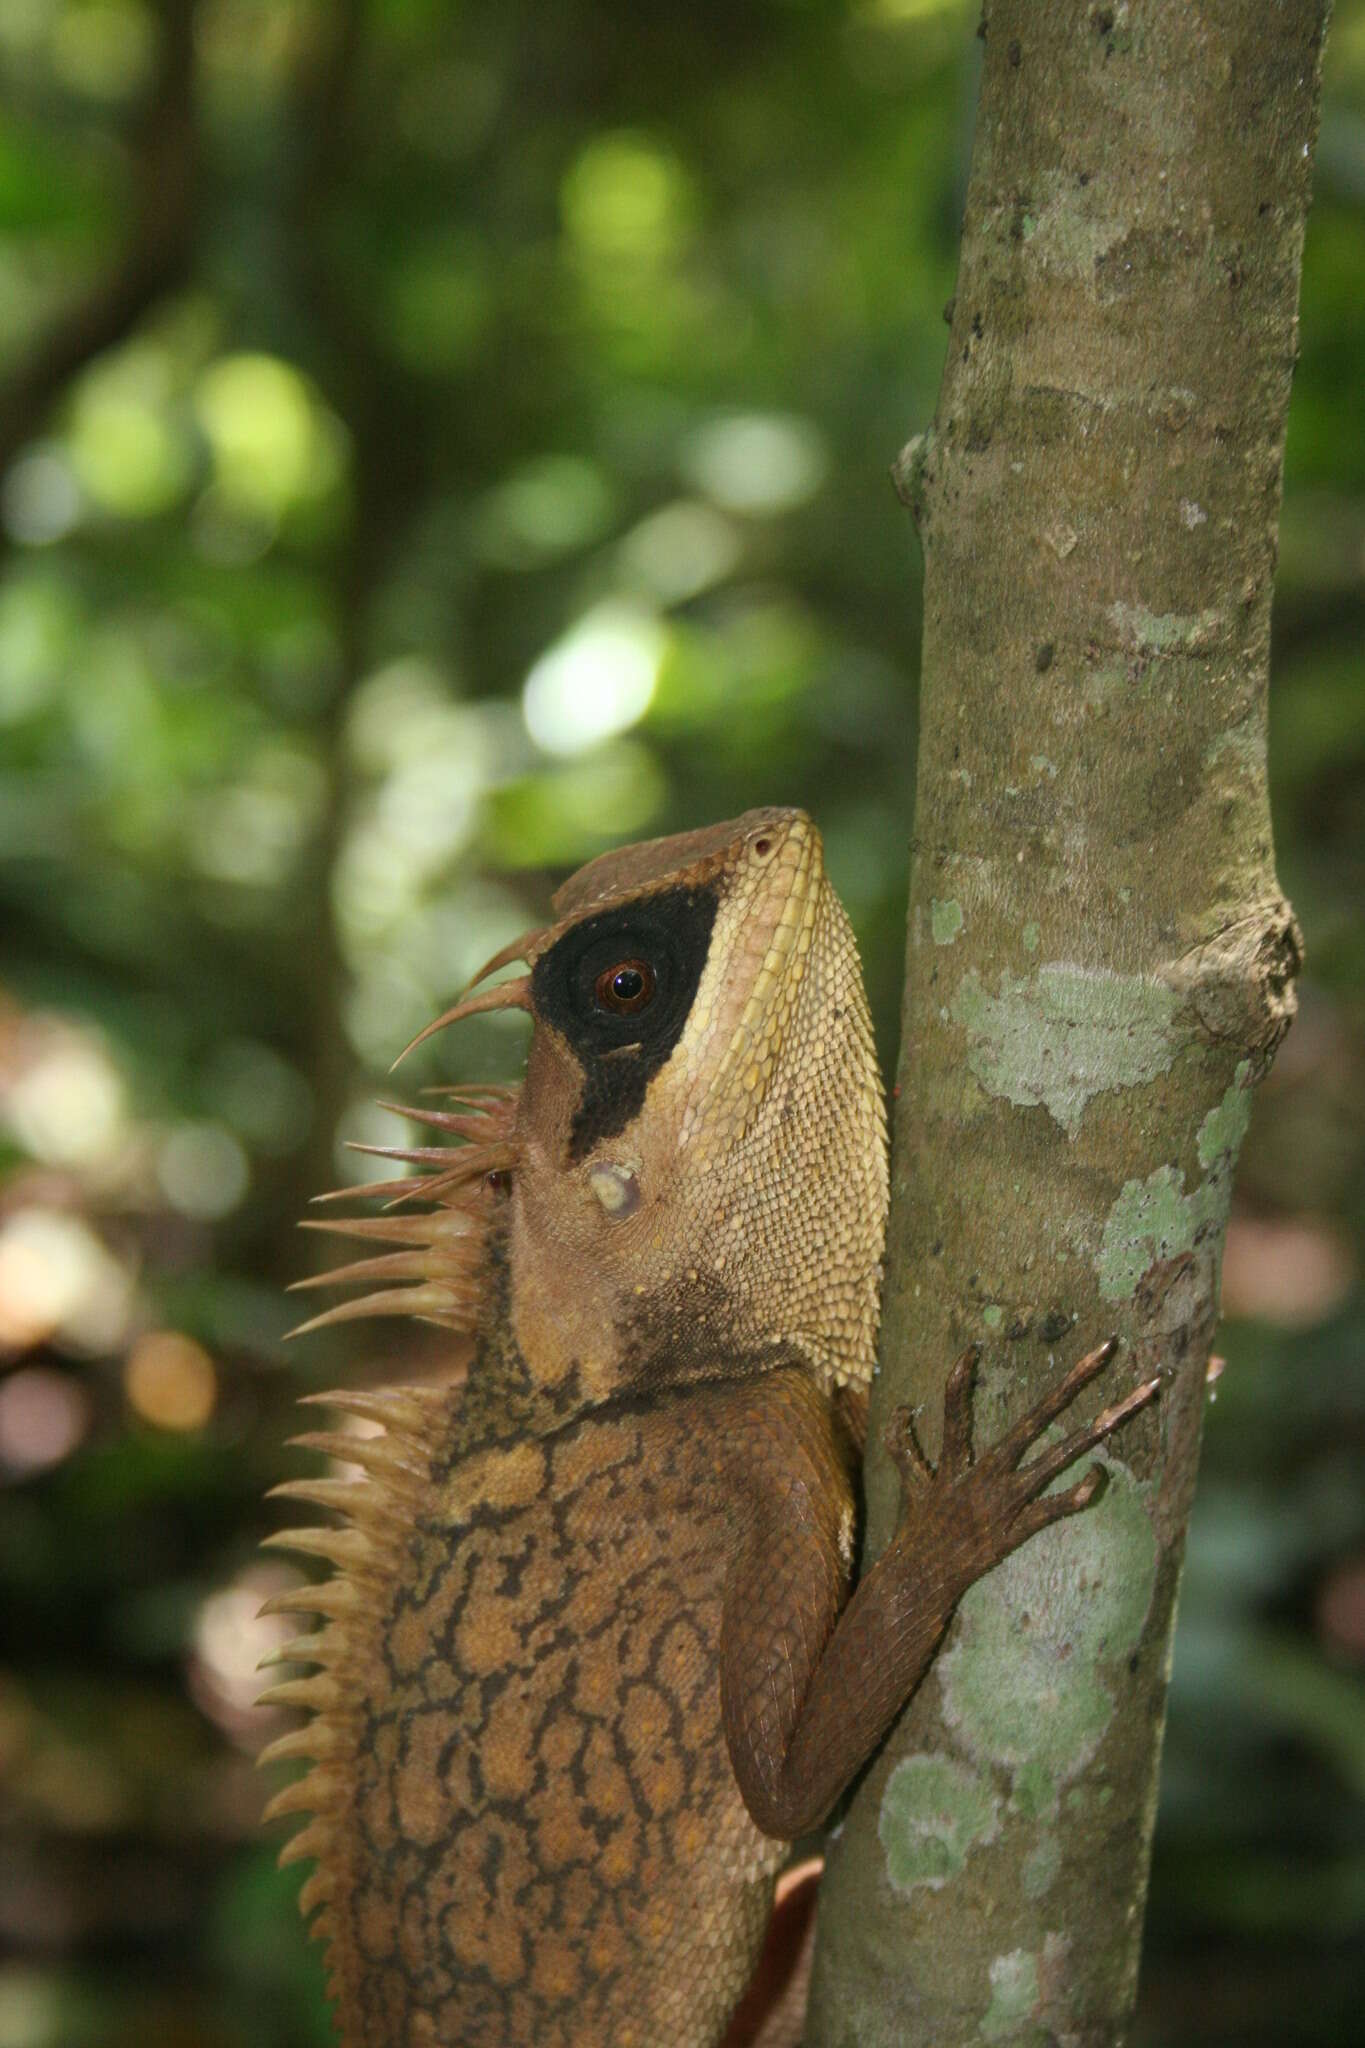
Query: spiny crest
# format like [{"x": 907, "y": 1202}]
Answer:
[
  {"x": 375, "y": 1510},
  {"x": 432, "y": 1270}
]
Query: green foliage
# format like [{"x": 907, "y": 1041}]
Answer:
[{"x": 502, "y": 473}]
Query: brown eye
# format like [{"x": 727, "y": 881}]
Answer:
[{"x": 625, "y": 988}]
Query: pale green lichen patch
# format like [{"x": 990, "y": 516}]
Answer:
[
  {"x": 946, "y": 920},
  {"x": 1064, "y": 1034},
  {"x": 933, "y": 1812},
  {"x": 1156, "y": 1218},
  {"x": 1070, "y": 226},
  {"x": 1014, "y": 1995},
  {"x": 1030, "y": 936},
  {"x": 1035, "y": 1791},
  {"x": 1153, "y": 1219},
  {"x": 909, "y": 469},
  {"x": 1023, "y": 1684},
  {"x": 1041, "y": 1865},
  {"x": 1223, "y": 1129},
  {"x": 1106, "y": 680},
  {"x": 1165, "y": 633},
  {"x": 992, "y": 1316}
]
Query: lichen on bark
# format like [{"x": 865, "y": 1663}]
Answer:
[{"x": 1100, "y": 961}]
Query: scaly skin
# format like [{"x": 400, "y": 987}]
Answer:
[{"x": 590, "y": 1661}]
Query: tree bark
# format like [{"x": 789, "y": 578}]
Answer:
[{"x": 1100, "y": 961}]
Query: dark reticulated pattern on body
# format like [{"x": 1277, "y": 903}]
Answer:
[{"x": 555, "y": 1850}]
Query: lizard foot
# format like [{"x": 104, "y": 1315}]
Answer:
[{"x": 976, "y": 1511}]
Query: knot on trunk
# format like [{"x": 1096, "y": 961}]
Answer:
[{"x": 1240, "y": 982}]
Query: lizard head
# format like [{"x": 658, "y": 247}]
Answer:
[
  {"x": 700, "y": 1137},
  {"x": 694, "y": 1169}
]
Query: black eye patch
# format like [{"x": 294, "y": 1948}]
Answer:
[{"x": 668, "y": 933}]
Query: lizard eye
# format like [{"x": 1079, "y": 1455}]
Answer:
[
  {"x": 622, "y": 982},
  {"x": 625, "y": 988}
]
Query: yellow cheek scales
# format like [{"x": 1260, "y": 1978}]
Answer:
[{"x": 785, "y": 1094}]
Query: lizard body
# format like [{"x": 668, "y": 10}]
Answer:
[{"x": 589, "y": 1660}]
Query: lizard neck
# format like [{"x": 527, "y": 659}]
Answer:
[{"x": 512, "y": 1391}]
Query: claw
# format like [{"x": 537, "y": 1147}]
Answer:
[
  {"x": 1053, "y": 1507},
  {"x": 904, "y": 1448},
  {"x": 1044, "y": 1469},
  {"x": 1056, "y": 1401},
  {"x": 956, "y": 1455},
  {"x": 1085, "y": 1490}
]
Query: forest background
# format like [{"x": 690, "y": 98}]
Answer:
[{"x": 440, "y": 441}]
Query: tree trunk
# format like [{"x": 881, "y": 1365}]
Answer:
[{"x": 1100, "y": 961}]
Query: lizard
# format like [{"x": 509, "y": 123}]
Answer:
[{"x": 591, "y": 1656}]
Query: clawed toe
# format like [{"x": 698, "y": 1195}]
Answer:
[
  {"x": 1058, "y": 1399},
  {"x": 1052, "y": 1507},
  {"x": 903, "y": 1447},
  {"x": 1042, "y": 1470},
  {"x": 998, "y": 1502},
  {"x": 957, "y": 1413}
]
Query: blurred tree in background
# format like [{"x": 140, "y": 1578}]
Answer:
[{"x": 441, "y": 438}]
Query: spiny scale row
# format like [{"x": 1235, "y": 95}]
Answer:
[
  {"x": 432, "y": 1273},
  {"x": 375, "y": 1509}
]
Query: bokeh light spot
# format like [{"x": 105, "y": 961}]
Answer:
[
  {"x": 40, "y": 499},
  {"x": 58, "y": 1281},
  {"x": 1291, "y": 1270},
  {"x": 67, "y": 1107},
  {"x": 231, "y": 1636},
  {"x": 203, "y": 1171},
  {"x": 546, "y": 508},
  {"x": 680, "y": 550},
  {"x": 626, "y": 198},
  {"x": 758, "y": 464},
  {"x": 124, "y": 442},
  {"x": 252, "y": 832},
  {"x": 170, "y": 1381},
  {"x": 257, "y": 1091},
  {"x": 595, "y": 682},
  {"x": 273, "y": 441},
  {"x": 43, "y": 1416}
]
